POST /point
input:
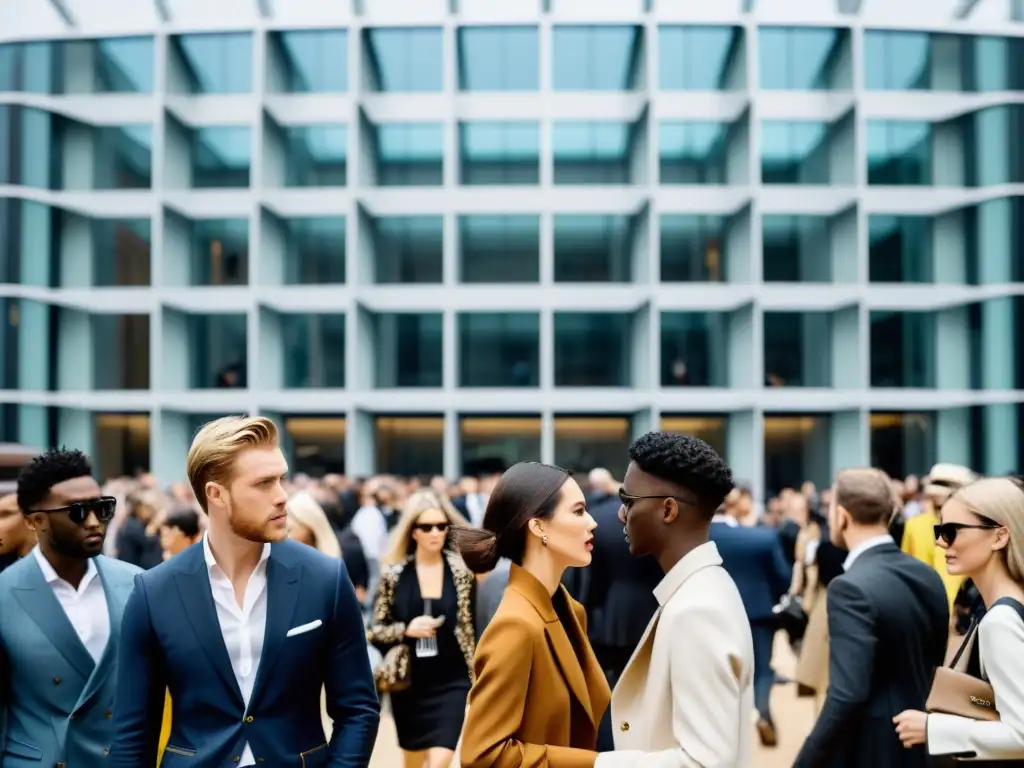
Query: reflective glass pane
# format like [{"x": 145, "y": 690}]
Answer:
[
  {"x": 797, "y": 448},
  {"x": 508, "y": 439},
  {"x": 900, "y": 249},
  {"x": 694, "y": 349},
  {"x": 315, "y": 251},
  {"x": 124, "y": 65},
  {"x": 700, "y": 58},
  {"x": 312, "y": 61},
  {"x": 499, "y": 249},
  {"x": 122, "y": 157},
  {"x": 212, "y": 63},
  {"x": 221, "y": 156},
  {"x": 499, "y": 349},
  {"x": 121, "y": 444},
  {"x": 902, "y": 349},
  {"x": 798, "y": 349},
  {"x": 317, "y": 444},
  {"x": 794, "y": 152},
  {"x": 406, "y": 60},
  {"x": 120, "y": 351},
  {"x": 408, "y": 349},
  {"x": 217, "y": 351},
  {"x": 903, "y": 443},
  {"x": 410, "y": 155},
  {"x": 29, "y": 67},
  {"x": 598, "y": 58},
  {"x": 593, "y": 248},
  {"x": 899, "y": 153},
  {"x": 409, "y": 446},
  {"x": 897, "y": 61},
  {"x": 801, "y": 59},
  {"x": 28, "y": 152},
  {"x": 499, "y": 153},
  {"x": 27, "y": 344},
  {"x": 998, "y": 64},
  {"x": 499, "y": 59},
  {"x": 317, "y": 156},
  {"x": 593, "y": 349},
  {"x": 220, "y": 252},
  {"x": 692, "y": 248},
  {"x": 408, "y": 249},
  {"x": 797, "y": 249},
  {"x": 993, "y": 153},
  {"x": 692, "y": 153},
  {"x": 121, "y": 252},
  {"x": 29, "y": 243},
  {"x": 313, "y": 349},
  {"x": 585, "y": 442},
  {"x": 592, "y": 153}
]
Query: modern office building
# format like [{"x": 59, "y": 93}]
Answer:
[{"x": 422, "y": 233}]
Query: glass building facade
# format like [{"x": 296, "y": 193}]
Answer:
[{"x": 424, "y": 234}]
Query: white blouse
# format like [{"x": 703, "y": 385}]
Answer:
[{"x": 1001, "y": 649}]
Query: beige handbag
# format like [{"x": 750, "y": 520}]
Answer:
[{"x": 954, "y": 692}]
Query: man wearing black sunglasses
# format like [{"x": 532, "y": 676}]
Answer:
[{"x": 60, "y": 611}]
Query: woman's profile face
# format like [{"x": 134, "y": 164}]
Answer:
[
  {"x": 570, "y": 530},
  {"x": 430, "y": 530},
  {"x": 972, "y": 548}
]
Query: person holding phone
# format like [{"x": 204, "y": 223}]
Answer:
[{"x": 423, "y": 624}]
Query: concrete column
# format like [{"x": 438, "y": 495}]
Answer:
[
  {"x": 949, "y": 248},
  {"x": 952, "y": 348},
  {"x": 360, "y": 443},
  {"x": 1002, "y": 439},
  {"x": 847, "y": 367},
  {"x": 741, "y": 252},
  {"x": 744, "y": 448},
  {"x": 271, "y": 375},
  {"x": 452, "y": 444},
  {"x": 953, "y": 436},
  {"x": 75, "y": 351},
  {"x": 850, "y": 442},
  {"x": 170, "y": 451},
  {"x": 746, "y": 359},
  {"x": 176, "y": 347},
  {"x": 77, "y": 252},
  {"x": 177, "y": 250},
  {"x": 75, "y": 429}
]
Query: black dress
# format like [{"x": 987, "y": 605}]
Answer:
[{"x": 430, "y": 712}]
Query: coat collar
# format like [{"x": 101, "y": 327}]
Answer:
[
  {"x": 704, "y": 556},
  {"x": 529, "y": 586}
]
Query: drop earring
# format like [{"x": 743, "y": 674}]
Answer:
[{"x": 544, "y": 539}]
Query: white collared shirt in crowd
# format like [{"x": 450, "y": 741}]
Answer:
[
  {"x": 729, "y": 520},
  {"x": 243, "y": 628},
  {"x": 864, "y": 546},
  {"x": 85, "y": 607}
]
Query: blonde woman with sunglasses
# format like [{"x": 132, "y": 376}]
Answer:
[{"x": 982, "y": 534}]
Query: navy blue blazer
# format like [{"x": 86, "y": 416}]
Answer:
[
  {"x": 754, "y": 559},
  {"x": 171, "y": 639}
]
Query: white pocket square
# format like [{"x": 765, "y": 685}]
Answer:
[{"x": 304, "y": 628}]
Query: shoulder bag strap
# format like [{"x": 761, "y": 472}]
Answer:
[
  {"x": 1015, "y": 604},
  {"x": 967, "y": 644}
]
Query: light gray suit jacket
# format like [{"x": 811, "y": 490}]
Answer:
[{"x": 56, "y": 703}]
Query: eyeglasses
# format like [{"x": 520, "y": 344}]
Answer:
[
  {"x": 428, "y": 527},
  {"x": 948, "y": 531},
  {"x": 79, "y": 511},
  {"x": 627, "y": 499}
]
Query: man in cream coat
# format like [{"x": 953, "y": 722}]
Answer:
[{"x": 686, "y": 697}]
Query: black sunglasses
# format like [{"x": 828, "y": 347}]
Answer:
[
  {"x": 627, "y": 499},
  {"x": 428, "y": 527},
  {"x": 948, "y": 531},
  {"x": 79, "y": 511}
]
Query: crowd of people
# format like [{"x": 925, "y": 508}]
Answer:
[{"x": 526, "y": 617}]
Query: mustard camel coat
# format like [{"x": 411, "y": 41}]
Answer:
[{"x": 535, "y": 702}]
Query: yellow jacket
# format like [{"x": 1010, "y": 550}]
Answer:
[
  {"x": 165, "y": 730},
  {"x": 919, "y": 542}
]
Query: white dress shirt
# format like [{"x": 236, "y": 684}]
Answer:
[
  {"x": 243, "y": 628},
  {"x": 85, "y": 607},
  {"x": 864, "y": 546}
]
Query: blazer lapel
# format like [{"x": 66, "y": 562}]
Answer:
[
  {"x": 569, "y": 664},
  {"x": 643, "y": 649},
  {"x": 38, "y": 601},
  {"x": 197, "y": 600},
  {"x": 283, "y": 588},
  {"x": 116, "y": 597}
]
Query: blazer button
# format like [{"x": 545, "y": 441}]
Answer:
[
  {"x": 236, "y": 758},
  {"x": 624, "y": 727},
  {"x": 106, "y": 752},
  {"x": 248, "y": 718},
  {"x": 108, "y": 714},
  {"x": 56, "y": 681}
]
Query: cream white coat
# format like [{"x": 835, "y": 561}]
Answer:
[{"x": 686, "y": 697}]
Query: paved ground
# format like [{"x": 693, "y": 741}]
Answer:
[{"x": 792, "y": 715}]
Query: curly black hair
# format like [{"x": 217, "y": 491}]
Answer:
[
  {"x": 47, "y": 470},
  {"x": 688, "y": 462}
]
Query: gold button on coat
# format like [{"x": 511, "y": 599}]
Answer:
[
  {"x": 248, "y": 718},
  {"x": 624, "y": 727}
]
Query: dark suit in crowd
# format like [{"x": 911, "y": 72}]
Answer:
[
  {"x": 754, "y": 559},
  {"x": 617, "y": 590},
  {"x": 888, "y": 618}
]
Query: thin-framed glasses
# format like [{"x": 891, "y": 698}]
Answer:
[
  {"x": 627, "y": 499},
  {"x": 79, "y": 511},
  {"x": 948, "y": 531}
]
